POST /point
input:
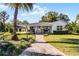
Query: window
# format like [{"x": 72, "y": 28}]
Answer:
[
  {"x": 59, "y": 28},
  {"x": 20, "y": 30},
  {"x": 31, "y": 27},
  {"x": 39, "y": 26}
]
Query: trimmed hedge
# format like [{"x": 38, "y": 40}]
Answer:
[
  {"x": 77, "y": 31},
  {"x": 60, "y": 32}
]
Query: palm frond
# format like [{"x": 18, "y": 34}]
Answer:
[{"x": 22, "y": 6}]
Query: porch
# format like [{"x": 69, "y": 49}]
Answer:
[{"x": 40, "y": 29}]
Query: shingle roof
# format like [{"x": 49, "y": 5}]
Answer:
[
  {"x": 41, "y": 24},
  {"x": 21, "y": 26}
]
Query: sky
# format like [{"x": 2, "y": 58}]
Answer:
[{"x": 39, "y": 9}]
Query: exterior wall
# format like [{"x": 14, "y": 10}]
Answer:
[
  {"x": 53, "y": 26},
  {"x": 58, "y": 23},
  {"x": 40, "y": 29},
  {"x": 22, "y": 30}
]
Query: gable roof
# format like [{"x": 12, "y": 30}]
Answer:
[
  {"x": 44, "y": 23},
  {"x": 41, "y": 24},
  {"x": 21, "y": 26}
]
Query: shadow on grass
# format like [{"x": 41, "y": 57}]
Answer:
[{"x": 68, "y": 41}]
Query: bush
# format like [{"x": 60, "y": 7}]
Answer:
[
  {"x": 30, "y": 33},
  {"x": 46, "y": 34},
  {"x": 77, "y": 31},
  {"x": 20, "y": 33},
  {"x": 10, "y": 49},
  {"x": 7, "y": 49},
  {"x": 31, "y": 40},
  {"x": 26, "y": 39},
  {"x": 60, "y": 32},
  {"x": 23, "y": 44}
]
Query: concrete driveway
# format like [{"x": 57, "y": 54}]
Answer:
[{"x": 40, "y": 48}]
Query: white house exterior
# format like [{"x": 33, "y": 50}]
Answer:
[
  {"x": 49, "y": 27},
  {"x": 59, "y": 23},
  {"x": 43, "y": 27}
]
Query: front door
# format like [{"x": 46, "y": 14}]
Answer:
[{"x": 39, "y": 31}]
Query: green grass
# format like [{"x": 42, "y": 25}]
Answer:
[
  {"x": 7, "y": 35},
  {"x": 68, "y": 44}
]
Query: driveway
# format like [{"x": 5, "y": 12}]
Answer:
[{"x": 40, "y": 48}]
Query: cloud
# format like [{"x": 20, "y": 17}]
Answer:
[
  {"x": 37, "y": 10},
  {"x": 35, "y": 14},
  {"x": 3, "y": 7}
]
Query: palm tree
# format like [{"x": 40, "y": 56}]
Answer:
[
  {"x": 77, "y": 18},
  {"x": 72, "y": 27},
  {"x": 18, "y": 6}
]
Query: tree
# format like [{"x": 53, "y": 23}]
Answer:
[
  {"x": 19, "y": 22},
  {"x": 49, "y": 17},
  {"x": 77, "y": 18},
  {"x": 17, "y": 7},
  {"x": 25, "y": 22},
  {"x": 3, "y": 17},
  {"x": 44, "y": 19},
  {"x": 64, "y": 17},
  {"x": 54, "y": 16},
  {"x": 1, "y": 27},
  {"x": 72, "y": 27},
  {"x": 8, "y": 27}
]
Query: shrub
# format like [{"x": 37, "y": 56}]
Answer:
[
  {"x": 26, "y": 39},
  {"x": 10, "y": 49},
  {"x": 7, "y": 49},
  {"x": 60, "y": 32},
  {"x": 46, "y": 34},
  {"x": 23, "y": 44},
  {"x": 31, "y": 40},
  {"x": 20, "y": 33},
  {"x": 30, "y": 33}
]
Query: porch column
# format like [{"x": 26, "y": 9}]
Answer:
[
  {"x": 18, "y": 29},
  {"x": 35, "y": 29},
  {"x": 41, "y": 29}
]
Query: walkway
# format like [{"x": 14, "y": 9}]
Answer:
[{"x": 40, "y": 48}]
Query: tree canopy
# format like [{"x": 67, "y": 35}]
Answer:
[
  {"x": 54, "y": 16},
  {"x": 24, "y": 22},
  {"x": 3, "y": 17},
  {"x": 77, "y": 18}
]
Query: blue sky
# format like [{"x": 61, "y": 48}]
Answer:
[{"x": 71, "y": 9}]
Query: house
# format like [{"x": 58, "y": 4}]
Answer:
[
  {"x": 47, "y": 27},
  {"x": 21, "y": 28},
  {"x": 43, "y": 27}
]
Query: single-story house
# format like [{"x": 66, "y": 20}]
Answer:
[
  {"x": 21, "y": 28},
  {"x": 43, "y": 27},
  {"x": 47, "y": 27}
]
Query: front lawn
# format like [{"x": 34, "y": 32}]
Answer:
[
  {"x": 7, "y": 35},
  {"x": 68, "y": 44}
]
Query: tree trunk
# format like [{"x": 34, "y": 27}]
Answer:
[{"x": 14, "y": 37}]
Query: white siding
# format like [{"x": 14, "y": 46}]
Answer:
[{"x": 58, "y": 23}]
